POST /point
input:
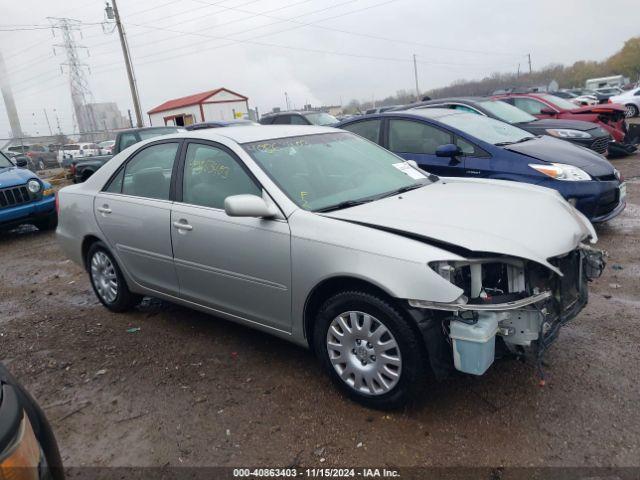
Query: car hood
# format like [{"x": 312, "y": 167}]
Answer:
[
  {"x": 473, "y": 216},
  {"x": 557, "y": 123},
  {"x": 550, "y": 149},
  {"x": 10, "y": 177}
]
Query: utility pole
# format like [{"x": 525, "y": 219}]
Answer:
[
  {"x": 112, "y": 13},
  {"x": 415, "y": 73},
  {"x": 286, "y": 98},
  {"x": 518, "y": 73},
  {"x": 529, "y": 57}
]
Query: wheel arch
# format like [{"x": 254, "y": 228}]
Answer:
[
  {"x": 330, "y": 286},
  {"x": 87, "y": 242}
]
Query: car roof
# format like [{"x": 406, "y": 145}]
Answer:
[
  {"x": 432, "y": 113},
  {"x": 256, "y": 133}
]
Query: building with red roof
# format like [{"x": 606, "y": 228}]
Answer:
[{"x": 218, "y": 104}]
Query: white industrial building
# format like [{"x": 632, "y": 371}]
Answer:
[{"x": 218, "y": 104}]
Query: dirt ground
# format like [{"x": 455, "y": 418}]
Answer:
[{"x": 189, "y": 389}]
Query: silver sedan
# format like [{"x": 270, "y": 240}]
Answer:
[{"x": 321, "y": 237}]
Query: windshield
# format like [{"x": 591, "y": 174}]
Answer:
[
  {"x": 507, "y": 113},
  {"x": 321, "y": 118},
  {"x": 4, "y": 161},
  {"x": 559, "y": 102},
  {"x": 486, "y": 129},
  {"x": 318, "y": 172}
]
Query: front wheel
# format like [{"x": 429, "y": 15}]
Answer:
[
  {"x": 631, "y": 110},
  {"x": 369, "y": 350},
  {"x": 107, "y": 280}
]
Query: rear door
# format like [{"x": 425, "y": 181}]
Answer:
[
  {"x": 134, "y": 214},
  {"x": 417, "y": 140},
  {"x": 237, "y": 265}
]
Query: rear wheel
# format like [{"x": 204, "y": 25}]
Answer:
[
  {"x": 631, "y": 110},
  {"x": 369, "y": 350},
  {"x": 107, "y": 280}
]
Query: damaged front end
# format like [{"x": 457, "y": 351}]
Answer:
[{"x": 520, "y": 304}]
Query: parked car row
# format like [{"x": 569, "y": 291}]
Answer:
[{"x": 386, "y": 270}]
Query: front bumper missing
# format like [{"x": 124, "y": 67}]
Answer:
[{"x": 482, "y": 307}]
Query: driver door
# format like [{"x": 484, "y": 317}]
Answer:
[
  {"x": 418, "y": 141},
  {"x": 239, "y": 266}
]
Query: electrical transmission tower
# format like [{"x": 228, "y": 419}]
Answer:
[{"x": 81, "y": 95}]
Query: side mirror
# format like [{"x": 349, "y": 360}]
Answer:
[
  {"x": 248, "y": 206},
  {"x": 21, "y": 162},
  {"x": 548, "y": 111},
  {"x": 449, "y": 150}
]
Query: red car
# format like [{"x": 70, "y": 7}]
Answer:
[{"x": 608, "y": 116}]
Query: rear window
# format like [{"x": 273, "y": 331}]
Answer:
[{"x": 71, "y": 147}]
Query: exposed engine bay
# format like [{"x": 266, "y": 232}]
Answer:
[{"x": 509, "y": 305}]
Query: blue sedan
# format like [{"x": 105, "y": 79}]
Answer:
[{"x": 457, "y": 144}]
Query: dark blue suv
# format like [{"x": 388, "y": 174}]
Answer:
[
  {"x": 458, "y": 144},
  {"x": 25, "y": 198}
]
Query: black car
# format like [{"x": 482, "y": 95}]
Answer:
[
  {"x": 28, "y": 448},
  {"x": 585, "y": 134},
  {"x": 299, "y": 118},
  {"x": 219, "y": 124}
]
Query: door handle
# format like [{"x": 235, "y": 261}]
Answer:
[
  {"x": 104, "y": 209},
  {"x": 182, "y": 226}
]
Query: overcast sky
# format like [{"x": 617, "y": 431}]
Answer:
[{"x": 319, "y": 51}]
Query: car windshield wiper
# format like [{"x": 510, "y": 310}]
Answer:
[
  {"x": 345, "y": 204},
  {"x": 406, "y": 188},
  {"x": 523, "y": 139}
]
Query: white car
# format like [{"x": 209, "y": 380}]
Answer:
[
  {"x": 631, "y": 100},
  {"x": 325, "y": 239},
  {"x": 106, "y": 147},
  {"x": 72, "y": 151}
]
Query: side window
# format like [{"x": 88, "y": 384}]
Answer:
[
  {"x": 115, "y": 186},
  {"x": 148, "y": 173},
  {"x": 470, "y": 149},
  {"x": 368, "y": 129},
  {"x": 298, "y": 120},
  {"x": 282, "y": 120},
  {"x": 529, "y": 105},
  {"x": 637, "y": 93},
  {"x": 211, "y": 175},
  {"x": 406, "y": 136},
  {"x": 127, "y": 140}
]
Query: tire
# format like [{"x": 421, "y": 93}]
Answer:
[
  {"x": 366, "y": 373},
  {"x": 103, "y": 271},
  {"x": 41, "y": 164},
  {"x": 631, "y": 110},
  {"x": 49, "y": 223}
]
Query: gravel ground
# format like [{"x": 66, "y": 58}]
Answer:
[{"x": 192, "y": 390}]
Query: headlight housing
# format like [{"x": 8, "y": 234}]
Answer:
[
  {"x": 561, "y": 171},
  {"x": 567, "y": 133},
  {"x": 34, "y": 186}
]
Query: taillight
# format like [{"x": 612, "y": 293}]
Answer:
[
  {"x": 609, "y": 100},
  {"x": 72, "y": 168},
  {"x": 57, "y": 204},
  {"x": 30, "y": 154}
]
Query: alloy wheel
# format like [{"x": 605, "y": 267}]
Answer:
[
  {"x": 103, "y": 276},
  {"x": 630, "y": 111},
  {"x": 364, "y": 353}
]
